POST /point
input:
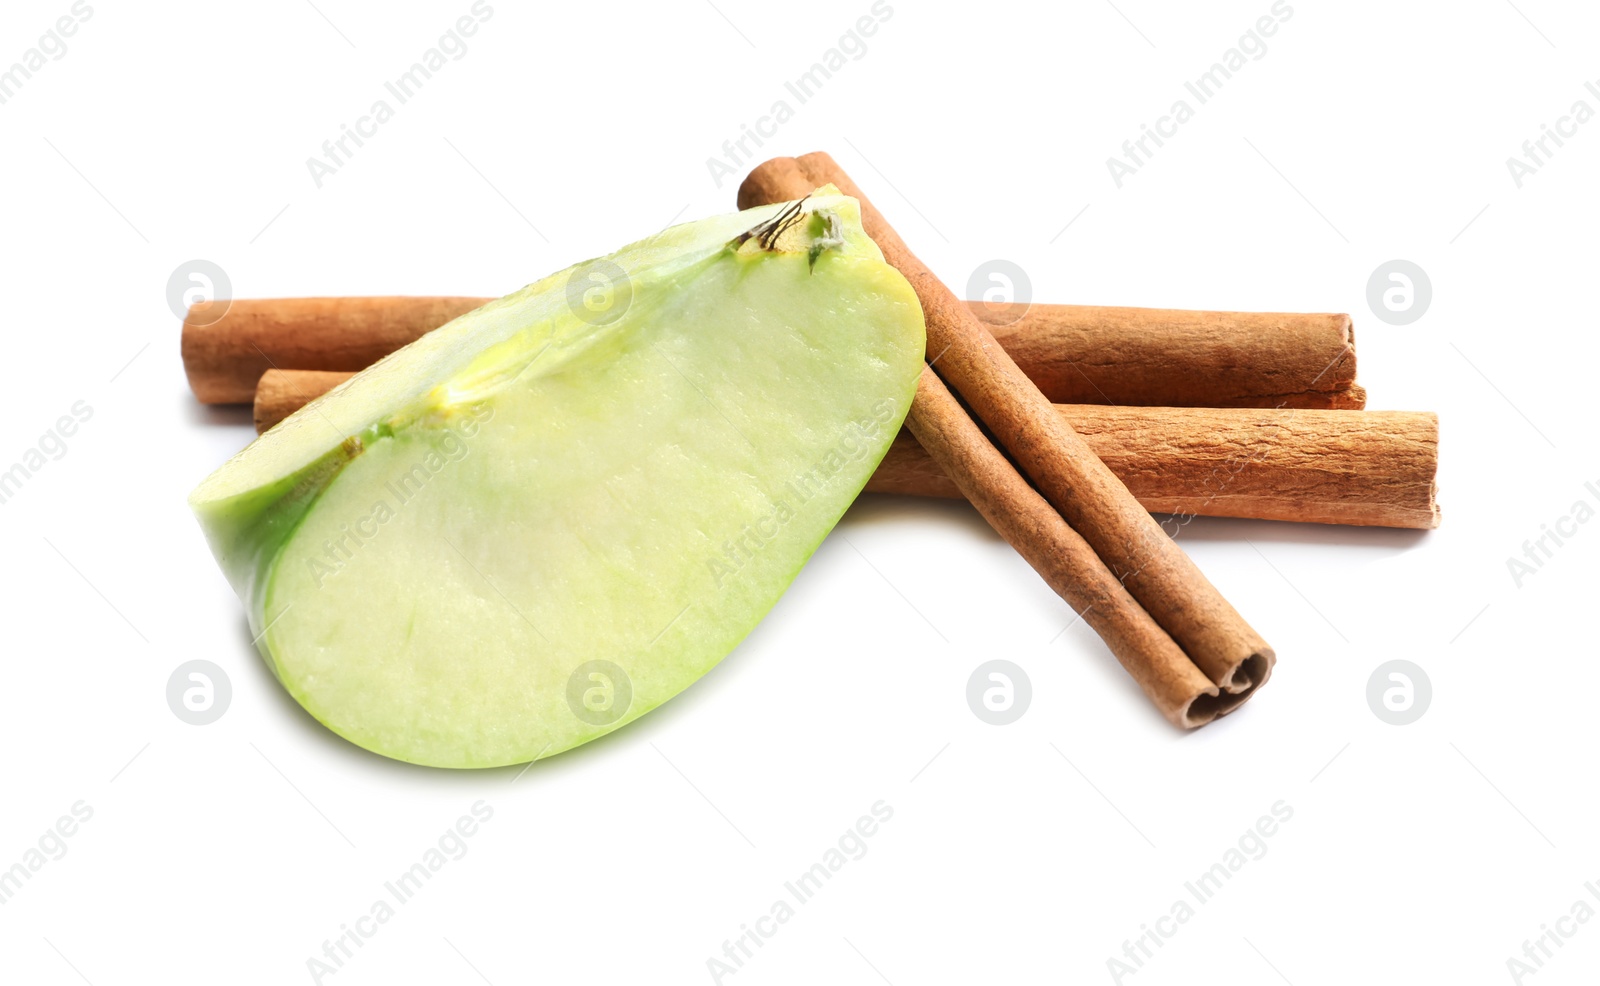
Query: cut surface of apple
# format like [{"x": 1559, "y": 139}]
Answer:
[{"x": 551, "y": 515}]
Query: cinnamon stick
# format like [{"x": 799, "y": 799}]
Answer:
[
  {"x": 1163, "y": 584},
  {"x": 1086, "y": 354},
  {"x": 280, "y": 393},
  {"x": 1373, "y": 469},
  {"x": 225, "y": 355},
  {"x": 1067, "y": 562},
  {"x": 1077, "y": 354}
]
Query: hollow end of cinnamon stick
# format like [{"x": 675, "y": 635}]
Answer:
[
  {"x": 1186, "y": 695},
  {"x": 1048, "y": 457},
  {"x": 1250, "y": 674}
]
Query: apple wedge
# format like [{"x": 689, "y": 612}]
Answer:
[{"x": 556, "y": 512}]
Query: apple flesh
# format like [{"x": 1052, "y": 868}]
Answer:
[{"x": 551, "y": 515}]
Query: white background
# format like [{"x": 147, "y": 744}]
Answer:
[{"x": 1029, "y": 853}]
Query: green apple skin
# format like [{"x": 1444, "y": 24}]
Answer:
[{"x": 546, "y": 518}]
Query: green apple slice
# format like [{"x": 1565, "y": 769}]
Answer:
[{"x": 551, "y": 515}]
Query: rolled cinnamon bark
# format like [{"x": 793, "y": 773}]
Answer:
[
  {"x": 1068, "y": 564},
  {"x": 1076, "y": 354},
  {"x": 224, "y": 355},
  {"x": 1086, "y": 354},
  {"x": 280, "y": 393},
  {"x": 1166, "y": 584},
  {"x": 1373, "y": 469}
]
